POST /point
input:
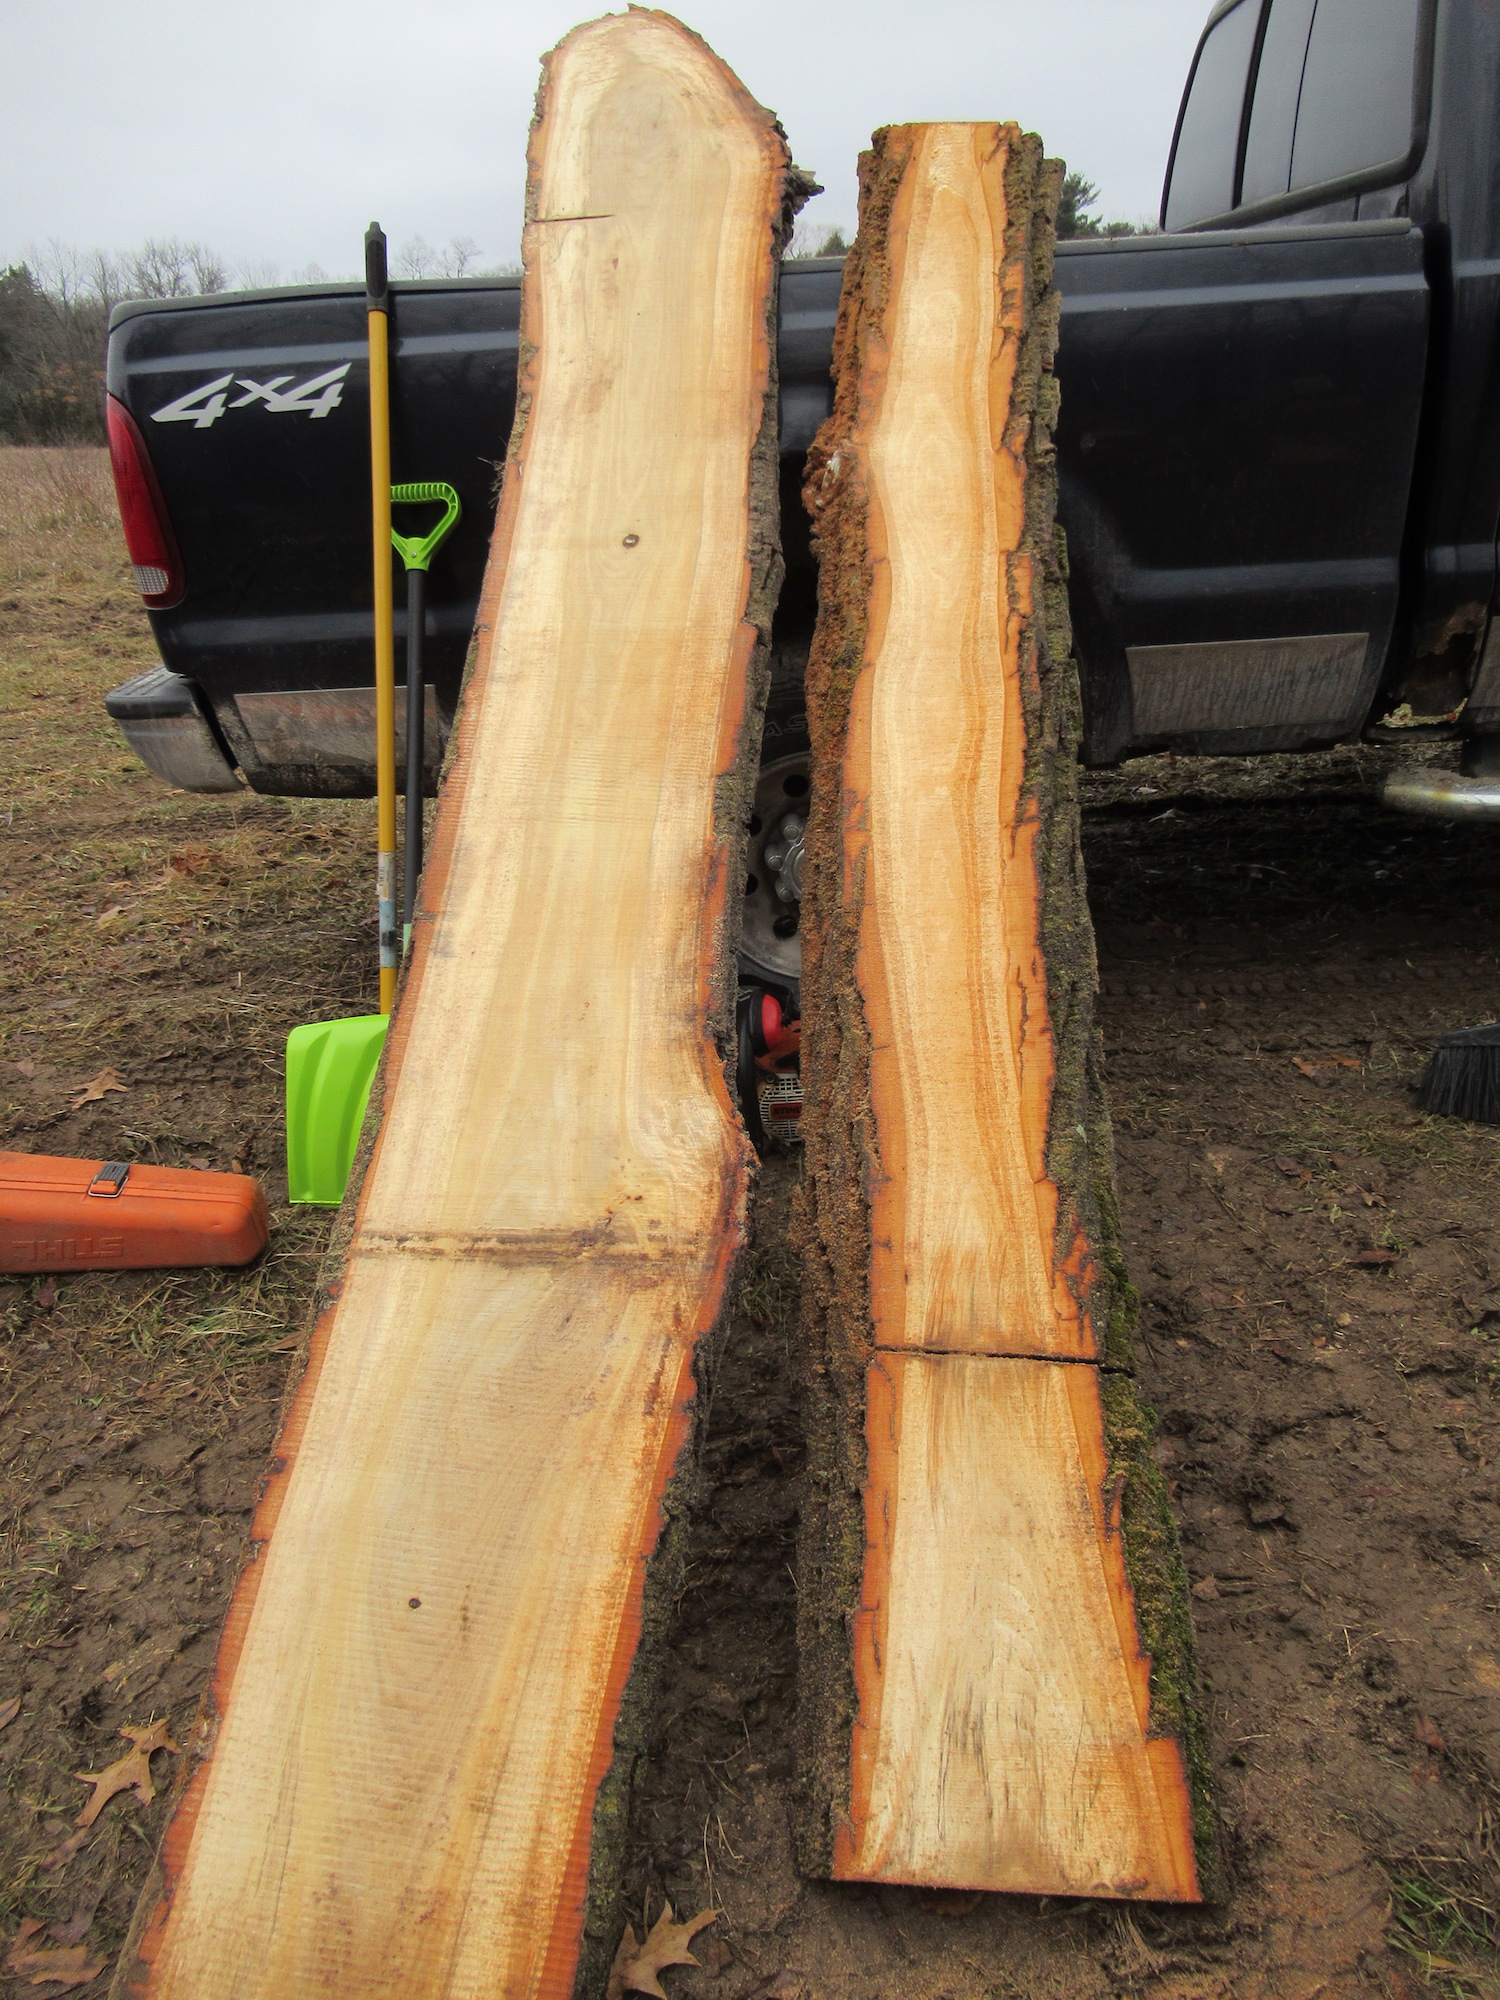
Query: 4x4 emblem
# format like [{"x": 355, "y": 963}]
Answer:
[{"x": 205, "y": 405}]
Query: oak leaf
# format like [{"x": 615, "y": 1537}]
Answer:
[
  {"x": 132, "y": 1772},
  {"x": 58, "y": 1969},
  {"x": 666, "y": 1945},
  {"x": 1317, "y": 1064},
  {"x": 96, "y": 1087},
  {"x": 65, "y": 1852},
  {"x": 1426, "y": 1732}
]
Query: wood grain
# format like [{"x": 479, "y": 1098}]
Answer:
[
  {"x": 1003, "y": 1738},
  {"x": 997, "y": 1721},
  {"x": 964, "y": 1215},
  {"x": 417, "y": 1702}
]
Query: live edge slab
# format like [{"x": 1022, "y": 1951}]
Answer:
[
  {"x": 410, "y": 1779},
  {"x": 998, "y": 1689}
]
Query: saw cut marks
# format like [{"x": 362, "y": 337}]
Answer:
[
  {"x": 998, "y": 1722},
  {"x": 431, "y": 1690}
]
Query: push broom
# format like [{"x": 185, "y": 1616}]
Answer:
[
  {"x": 1462, "y": 1078},
  {"x": 330, "y": 1065}
]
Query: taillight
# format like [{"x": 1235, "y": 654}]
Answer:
[{"x": 154, "y": 554}]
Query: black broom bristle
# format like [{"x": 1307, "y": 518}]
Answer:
[{"x": 1463, "y": 1078}]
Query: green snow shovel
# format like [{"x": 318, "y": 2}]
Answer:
[{"x": 330, "y": 1065}]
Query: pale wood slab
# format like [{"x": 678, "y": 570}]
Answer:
[
  {"x": 1002, "y": 1740},
  {"x": 418, "y": 1692},
  {"x": 996, "y": 1721}
]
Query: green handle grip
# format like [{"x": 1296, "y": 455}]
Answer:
[{"x": 417, "y": 552}]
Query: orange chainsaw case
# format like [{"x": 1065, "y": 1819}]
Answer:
[{"x": 101, "y": 1215}]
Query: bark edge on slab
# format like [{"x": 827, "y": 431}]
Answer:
[{"x": 856, "y": 1148}]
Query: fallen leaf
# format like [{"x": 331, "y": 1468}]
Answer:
[
  {"x": 132, "y": 1772},
  {"x": 10, "y": 1711},
  {"x": 110, "y": 911},
  {"x": 1370, "y": 1199},
  {"x": 716, "y": 1957},
  {"x": 200, "y": 1162},
  {"x": 1207, "y": 1589},
  {"x": 26, "y": 1067},
  {"x": 61, "y": 1969},
  {"x": 1290, "y": 1168},
  {"x": 95, "y": 1088},
  {"x": 625, "y": 1954},
  {"x": 666, "y": 1945},
  {"x": 46, "y": 1295},
  {"x": 76, "y": 1929},
  {"x": 950, "y": 1902},
  {"x": 1280, "y": 1352},
  {"x": 783, "y": 1985},
  {"x": 65, "y": 1852},
  {"x": 1425, "y": 1731},
  {"x": 1373, "y": 1259}
]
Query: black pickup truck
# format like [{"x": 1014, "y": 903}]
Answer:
[{"x": 1279, "y": 449}]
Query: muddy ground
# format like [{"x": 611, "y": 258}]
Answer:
[{"x": 1319, "y": 1267}]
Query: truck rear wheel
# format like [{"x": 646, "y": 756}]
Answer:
[{"x": 770, "y": 946}]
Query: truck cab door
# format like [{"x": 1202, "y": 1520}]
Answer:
[{"x": 1240, "y": 404}]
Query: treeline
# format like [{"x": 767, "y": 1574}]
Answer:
[
  {"x": 1078, "y": 196},
  {"x": 55, "y": 308}
]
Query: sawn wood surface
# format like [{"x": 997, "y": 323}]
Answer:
[
  {"x": 416, "y": 1695},
  {"x": 1002, "y": 1737}
]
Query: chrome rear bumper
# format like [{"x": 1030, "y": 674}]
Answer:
[{"x": 1442, "y": 795}]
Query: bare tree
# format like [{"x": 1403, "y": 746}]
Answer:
[
  {"x": 168, "y": 268},
  {"x": 816, "y": 239},
  {"x": 417, "y": 259}
]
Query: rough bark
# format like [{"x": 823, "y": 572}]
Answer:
[
  {"x": 411, "y": 1773},
  {"x": 968, "y": 1315}
]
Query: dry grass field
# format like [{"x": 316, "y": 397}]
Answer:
[{"x": 1320, "y": 1276}]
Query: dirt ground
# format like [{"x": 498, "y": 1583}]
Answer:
[{"x": 1319, "y": 1268}]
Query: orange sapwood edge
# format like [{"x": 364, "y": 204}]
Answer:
[{"x": 427, "y": 1700}]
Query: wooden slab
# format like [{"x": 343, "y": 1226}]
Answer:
[
  {"x": 1003, "y": 1735},
  {"x": 432, "y": 1688},
  {"x": 1017, "y": 1708}
]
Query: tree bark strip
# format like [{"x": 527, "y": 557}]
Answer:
[
  {"x": 412, "y": 1771},
  {"x": 998, "y": 1679}
]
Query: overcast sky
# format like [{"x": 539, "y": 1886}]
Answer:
[{"x": 275, "y": 133}]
